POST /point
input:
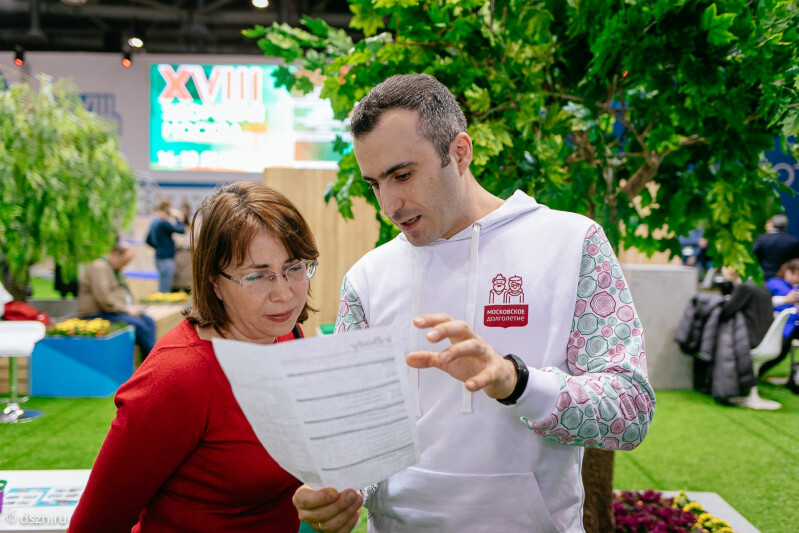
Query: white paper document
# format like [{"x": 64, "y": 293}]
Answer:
[{"x": 334, "y": 411}]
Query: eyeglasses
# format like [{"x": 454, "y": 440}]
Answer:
[{"x": 263, "y": 281}]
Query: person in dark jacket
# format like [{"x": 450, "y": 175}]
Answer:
[
  {"x": 776, "y": 247},
  {"x": 167, "y": 221}
]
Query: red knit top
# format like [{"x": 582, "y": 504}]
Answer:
[{"x": 180, "y": 456}]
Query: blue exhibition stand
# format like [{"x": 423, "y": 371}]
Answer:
[{"x": 81, "y": 366}]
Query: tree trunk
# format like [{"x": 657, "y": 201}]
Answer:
[
  {"x": 598, "y": 483},
  {"x": 18, "y": 292}
]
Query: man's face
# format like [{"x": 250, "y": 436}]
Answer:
[
  {"x": 515, "y": 286},
  {"x": 118, "y": 259},
  {"x": 499, "y": 285},
  {"x": 425, "y": 201}
]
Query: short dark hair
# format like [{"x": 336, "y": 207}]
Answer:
[
  {"x": 230, "y": 218},
  {"x": 440, "y": 116},
  {"x": 780, "y": 222},
  {"x": 120, "y": 248},
  {"x": 792, "y": 265},
  {"x": 164, "y": 204}
]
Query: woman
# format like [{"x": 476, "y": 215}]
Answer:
[
  {"x": 180, "y": 456},
  {"x": 784, "y": 289}
]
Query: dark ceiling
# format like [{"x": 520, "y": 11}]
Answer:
[{"x": 183, "y": 26}]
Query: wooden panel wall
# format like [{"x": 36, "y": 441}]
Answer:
[{"x": 341, "y": 242}]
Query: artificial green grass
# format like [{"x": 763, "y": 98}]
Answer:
[
  {"x": 69, "y": 434},
  {"x": 748, "y": 457},
  {"x": 44, "y": 289}
]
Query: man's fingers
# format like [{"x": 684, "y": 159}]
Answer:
[
  {"x": 454, "y": 330},
  {"x": 493, "y": 380},
  {"x": 428, "y": 321},
  {"x": 423, "y": 360},
  {"x": 306, "y": 498},
  {"x": 475, "y": 383},
  {"x": 468, "y": 348}
]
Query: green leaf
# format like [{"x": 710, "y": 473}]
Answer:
[
  {"x": 388, "y": 4},
  {"x": 717, "y": 26},
  {"x": 477, "y": 98},
  {"x": 318, "y": 27},
  {"x": 366, "y": 19}
]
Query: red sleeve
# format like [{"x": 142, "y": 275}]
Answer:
[{"x": 161, "y": 416}]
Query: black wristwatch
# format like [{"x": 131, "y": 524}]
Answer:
[{"x": 521, "y": 380}]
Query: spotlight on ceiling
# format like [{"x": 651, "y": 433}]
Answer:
[
  {"x": 73, "y": 2},
  {"x": 19, "y": 56},
  {"x": 127, "y": 60},
  {"x": 260, "y": 3},
  {"x": 135, "y": 42}
]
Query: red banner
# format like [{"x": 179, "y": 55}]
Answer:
[{"x": 505, "y": 316}]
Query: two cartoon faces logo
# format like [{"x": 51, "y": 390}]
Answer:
[
  {"x": 506, "y": 291},
  {"x": 509, "y": 292}
]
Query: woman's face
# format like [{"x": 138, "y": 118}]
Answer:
[
  {"x": 792, "y": 277},
  {"x": 264, "y": 316}
]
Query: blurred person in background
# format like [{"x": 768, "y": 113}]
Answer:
[
  {"x": 103, "y": 293},
  {"x": 180, "y": 455},
  {"x": 167, "y": 221},
  {"x": 775, "y": 247},
  {"x": 784, "y": 288},
  {"x": 181, "y": 281}
]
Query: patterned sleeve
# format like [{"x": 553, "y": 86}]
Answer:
[
  {"x": 350, "y": 311},
  {"x": 606, "y": 402}
]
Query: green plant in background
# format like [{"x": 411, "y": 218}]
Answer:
[
  {"x": 65, "y": 188},
  {"x": 650, "y": 117}
]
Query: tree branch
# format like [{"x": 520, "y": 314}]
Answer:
[
  {"x": 503, "y": 107},
  {"x": 564, "y": 96}
]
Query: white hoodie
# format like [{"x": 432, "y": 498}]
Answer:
[{"x": 560, "y": 303}]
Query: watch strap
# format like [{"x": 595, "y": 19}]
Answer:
[{"x": 522, "y": 375}]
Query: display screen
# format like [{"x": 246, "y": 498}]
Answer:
[{"x": 232, "y": 118}]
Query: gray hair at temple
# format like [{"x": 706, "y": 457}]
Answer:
[
  {"x": 440, "y": 116},
  {"x": 780, "y": 222}
]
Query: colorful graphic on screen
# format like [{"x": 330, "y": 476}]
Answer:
[{"x": 232, "y": 118}]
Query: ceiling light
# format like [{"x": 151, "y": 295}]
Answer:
[
  {"x": 135, "y": 42},
  {"x": 74, "y": 2},
  {"x": 260, "y": 3}
]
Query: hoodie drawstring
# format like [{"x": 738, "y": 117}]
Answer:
[
  {"x": 471, "y": 303},
  {"x": 413, "y": 340}
]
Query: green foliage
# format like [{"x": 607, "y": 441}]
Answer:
[
  {"x": 648, "y": 116},
  {"x": 65, "y": 188}
]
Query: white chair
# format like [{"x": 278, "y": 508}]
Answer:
[
  {"x": 17, "y": 339},
  {"x": 768, "y": 349}
]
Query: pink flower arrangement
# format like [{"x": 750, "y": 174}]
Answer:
[{"x": 649, "y": 512}]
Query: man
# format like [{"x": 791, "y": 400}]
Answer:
[
  {"x": 103, "y": 293},
  {"x": 167, "y": 222},
  {"x": 497, "y": 293},
  {"x": 775, "y": 247},
  {"x": 501, "y": 434}
]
